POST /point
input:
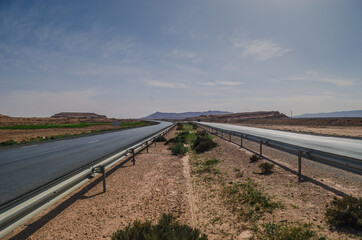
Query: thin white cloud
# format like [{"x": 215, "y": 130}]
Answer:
[
  {"x": 162, "y": 84},
  {"x": 262, "y": 50},
  {"x": 186, "y": 55},
  {"x": 323, "y": 78},
  {"x": 221, "y": 83},
  {"x": 259, "y": 49}
]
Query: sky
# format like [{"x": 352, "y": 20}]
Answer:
[{"x": 128, "y": 59}]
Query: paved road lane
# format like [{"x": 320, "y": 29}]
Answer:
[
  {"x": 25, "y": 168},
  {"x": 336, "y": 145}
]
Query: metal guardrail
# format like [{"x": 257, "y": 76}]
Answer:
[
  {"x": 18, "y": 211},
  {"x": 337, "y": 161}
]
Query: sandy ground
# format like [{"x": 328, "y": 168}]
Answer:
[
  {"x": 343, "y": 131},
  {"x": 161, "y": 183},
  {"x": 303, "y": 202},
  {"x": 155, "y": 185}
]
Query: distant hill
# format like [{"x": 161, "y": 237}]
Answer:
[
  {"x": 78, "y": 115},
  {"x": 178, "y": 116},
  {"x": 238, "y": 117},
  {"x": 342, "y": 114},
  {"x": 3, "y": 116}
]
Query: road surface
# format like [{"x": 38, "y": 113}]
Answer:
[
  {"x": 26, "y": 168},
  {"x": 341, "y": 146}
]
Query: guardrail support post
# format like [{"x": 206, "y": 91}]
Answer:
[
  {"x": 222, "y": 133},
  {"x": 133, "y": 157},
  {"x": 155, "y": 141},
  {"x": 241, "y": 141},
  {"x": 103, "y": 170},
  {"x": 229, "y": 136},
  {"x": 261, "y": 148},
  {"x": 147, "y": 146},
  {"x": 299, "y": 166}
]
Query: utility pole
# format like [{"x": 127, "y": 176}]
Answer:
[{"x": 291, "y": 114}]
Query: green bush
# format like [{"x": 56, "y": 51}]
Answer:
[
  {"x": 211, "y": 161},
  {"x": 181, "y": 137},
  {"x": 266, "y": 167},
  {"x": 252, "y": 199},
  {"x": 203, "y": 142},
  {"x": 288, "y": 231},
  {"x": 254, "y": 158},
  {"x": 160, "y": 139},
  {"x": 179, "y": 126},
  {"x": 166, "y": 229},
  {"x": 8, "y": 143},
  {"x": 179, "y": 149},
  {"x": 345, "y": 212}
]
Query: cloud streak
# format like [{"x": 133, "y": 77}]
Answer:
[
  {"x": 258, "y": 49},
  {"x": 162, "y": 84},
  {"x": 323, "y": 78}
]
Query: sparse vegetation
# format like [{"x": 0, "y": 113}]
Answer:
[
  {"x": 266, "y": 167},
  {"x": 161, "y": 139},
  {"x": 203, "y": 142},
  {"x": 288, "y": 231},
  {"x": 179, "y": 149},
  {"x": 167, "y": 228},
  {"x": 8, "y": 143},
  {"x": 254, "y": 158},
  {"x": 345, "y": 212},
  {"x": 208, "y": 166},
  {"x": 249, "y": 200},
  {"x": 180, "y": 126},
  {"x": 73, "y": 125}
]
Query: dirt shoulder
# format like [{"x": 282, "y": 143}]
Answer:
[
  {"x": 155, "y": 185},
  {"x": 303, "y": 202}
]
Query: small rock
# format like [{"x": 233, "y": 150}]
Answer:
[{"x": 245, "y": 235}]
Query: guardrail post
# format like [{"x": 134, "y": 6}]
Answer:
[
  {"x": 147, "y": 146},
  {"x": 133, "y": 157},
  {"x": 299, "y": 165},
  {"x": 222, "y": 133},
  {"x": 261, "y": 148},
  {"x": 241, "y": 141},
  {"x": 230, "y": 136},
  {"x": 103, "y": 170},
  {"x": 154, "y": 141}
]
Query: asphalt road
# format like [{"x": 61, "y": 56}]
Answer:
[
  {"x": 336, "y": 145},
  {"x": 26, "y": 168}
]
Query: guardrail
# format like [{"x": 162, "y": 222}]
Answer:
[
  {"x": 337, "y": 161},
  {"x": 18, "y": 211}
]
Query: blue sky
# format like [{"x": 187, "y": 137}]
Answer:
[{"x": 132, "y": 58}]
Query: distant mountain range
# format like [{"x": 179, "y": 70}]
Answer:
[
  {"x": 161, "y": 115},
  {"x": 342, "y": 114}
]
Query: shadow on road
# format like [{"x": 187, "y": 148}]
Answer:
[{"x": 35, "y": 226}]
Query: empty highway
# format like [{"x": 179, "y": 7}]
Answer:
[
  {"x": 336, "y": 145},
  {"x": 26, "y": 168}
]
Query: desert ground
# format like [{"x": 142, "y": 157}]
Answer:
[
  {"x": 29, "y": 135},
  {"x": 163, "y": 183}
]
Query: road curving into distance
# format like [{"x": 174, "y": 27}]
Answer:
[
  {"x": 336, "y": 145},
  {"x": 25, "y": 168}
]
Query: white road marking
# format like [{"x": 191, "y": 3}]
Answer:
[
  {"x": 30, "y": 146},
  {"x": 93, "y": 141}
]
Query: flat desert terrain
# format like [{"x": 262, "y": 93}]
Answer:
[{"x": 198, "y": 195}]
